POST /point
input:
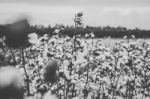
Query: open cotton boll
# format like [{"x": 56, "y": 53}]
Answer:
[
  {"x": 9, "y": 75},
  {"x": 34, "y": 42},
  {"x": 33, "y": 36},
  {"x": 49, "y": 96},
  {"x": 33, "y": 39},
  {"x": 57, "y": 31},
  {"x": 29, "y": 97}
]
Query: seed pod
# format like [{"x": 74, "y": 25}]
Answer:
[
  {"x": 51, "y": 73},
  {"x": 80, "y": 14}
]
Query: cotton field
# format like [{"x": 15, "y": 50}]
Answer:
[{"x": 88, "y": 68}]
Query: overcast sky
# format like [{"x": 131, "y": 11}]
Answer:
[{"x": 127, "y": 13}]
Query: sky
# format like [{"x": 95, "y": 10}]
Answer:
[{"x": 126, "y": 13}]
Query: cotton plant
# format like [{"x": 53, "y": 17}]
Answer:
[
  {"x": 93, "y": 71},
  {"x": 110, "y": 68}
]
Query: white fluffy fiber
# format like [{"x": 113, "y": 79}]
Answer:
[{"x": 9, "y": 76}]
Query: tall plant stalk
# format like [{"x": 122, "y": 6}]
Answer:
[
  {"x": 27, "y": 77},
  {"x": 77, "y": 22},
  {"x": 75, "y": 33}
]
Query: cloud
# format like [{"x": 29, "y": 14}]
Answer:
[
  {"x": 38, "y": 14},
  {"x": 118, "y": 16},
  {"x": 128, "y": 13},
  {"x": 86, "y": 2}
]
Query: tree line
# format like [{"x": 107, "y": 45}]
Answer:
[{"x": 100, "y": 32}]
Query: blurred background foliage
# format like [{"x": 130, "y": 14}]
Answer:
[{"x": 100, "y": 32}]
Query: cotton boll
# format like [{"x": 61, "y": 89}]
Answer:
[
  {"x": 86, "y": 35},
  {"x": 49, "y": 96},
  {"x": 38, "y": 96},
  {"x": 92, "y": 35},
  {"x": 33, "y": 39},
  {"x": 29, "y": 97},
  {"x": 57, "y": 31},
  {"x": 34, "y": 42},
  {"x": 9, "y": 75},
  {"x": 33, "y": 36}
]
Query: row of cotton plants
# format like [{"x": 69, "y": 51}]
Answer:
[
  {"x": 54, "y": 67},
  {"x": 51, "y": 67}
]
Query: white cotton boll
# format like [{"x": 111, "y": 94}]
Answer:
[
  {"x": 33, "y": 39},
  {"x": 57, "y": 31},
  {"x": 86, "y": 35},
  {"x": 34, "y": 42},
  {"x": 92, "y": 35},
  {"x": 9, "y": 75},
  {"x": 83, "y": 44},
  {"x": 125, "y": 37},
  {"x": 21, "y": 71},
  {"x": 133, "y": 36},
  {"x": 45, "y": 37},
  {"x": 29, "y": 97},
  {"x": 33, "y": 36},
  {"x": 38, "y": 96},
  {"x": 66, "y": 62},
  {"x": 49, "y": 96}
]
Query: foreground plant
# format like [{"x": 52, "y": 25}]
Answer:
[{"x": 11, "y": 83}]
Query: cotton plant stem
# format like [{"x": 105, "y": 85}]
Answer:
[
  {"x": 87, "y": 79},
  {"x": 27, "y": 77},
  {"x": 75, "y": 36},
  {"x": 75, "y": 33}
]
